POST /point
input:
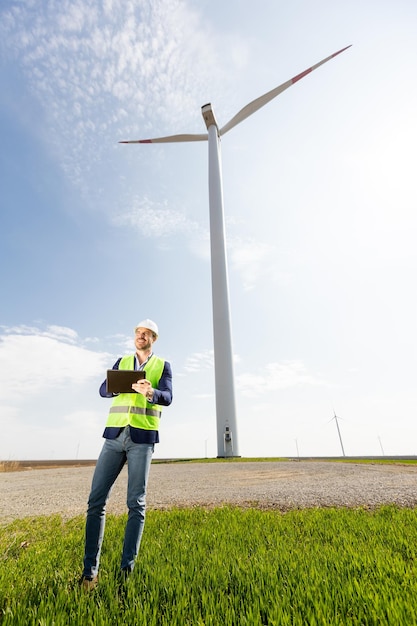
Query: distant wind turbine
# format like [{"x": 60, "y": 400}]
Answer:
[
  {"x": 336, "y": 419},
  {"x": 227, "y": 436}
]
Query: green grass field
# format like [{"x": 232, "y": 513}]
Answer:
[{"x": 224, "y": 566}]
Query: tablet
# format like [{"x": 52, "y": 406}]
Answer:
[{"x": 120, "y": 381}]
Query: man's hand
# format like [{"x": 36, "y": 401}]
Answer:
[{"x": 144, "y": 387}]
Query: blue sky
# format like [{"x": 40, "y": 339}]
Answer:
[{"x": 320, "y": 205}]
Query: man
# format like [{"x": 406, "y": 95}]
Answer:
[{"x": 130, "y": 435}]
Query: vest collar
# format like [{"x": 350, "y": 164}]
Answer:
[{"x": 140, "y": 366}]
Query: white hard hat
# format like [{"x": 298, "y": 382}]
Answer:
[{"x": 149, "y": 324}]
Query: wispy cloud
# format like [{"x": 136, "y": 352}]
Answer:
[
  {"x": 36, "y": 360},
  {"x": 199, "y": 361},
  {"x": 104, "y": 71},
  {"x": 60, "y": 333},
  {"x": 49, "y": 391},
  {"x": 252, "y": 259},
  {"x": 100, "y": 70},
  {"x": 277, "y": 376},
  {"x": 154, "y": 219}
]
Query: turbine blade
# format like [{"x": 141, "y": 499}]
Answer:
[
  {"x": 171, "y": 139},
  {"x": 267, "y": 97}
]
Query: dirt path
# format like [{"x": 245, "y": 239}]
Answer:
[{"x": 282, "y": 485}]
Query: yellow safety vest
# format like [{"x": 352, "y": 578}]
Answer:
[{"x": 132, "y": 408}]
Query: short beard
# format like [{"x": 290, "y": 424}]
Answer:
[{"x": 145, "y": 346}]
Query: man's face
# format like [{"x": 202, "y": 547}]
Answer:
[{"x": 144, "y": 339}]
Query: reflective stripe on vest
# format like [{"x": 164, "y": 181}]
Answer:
[{"x": 133, "y": 408}]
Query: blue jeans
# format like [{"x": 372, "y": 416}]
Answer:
[{"x": 114, "y": 454}]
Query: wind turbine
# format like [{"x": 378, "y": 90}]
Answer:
[
  {"x": 227, "y": 436},
  {"x": 336, "y": 419}
]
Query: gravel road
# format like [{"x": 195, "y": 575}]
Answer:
[{"x": 280, "y": 485}]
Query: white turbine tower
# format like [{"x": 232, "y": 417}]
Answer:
[{"x": 227, "y": 439}]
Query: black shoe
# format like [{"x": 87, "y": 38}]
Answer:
[
  {"x": 88, "y": 583},
  {"x": 125, "y": 573}
]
